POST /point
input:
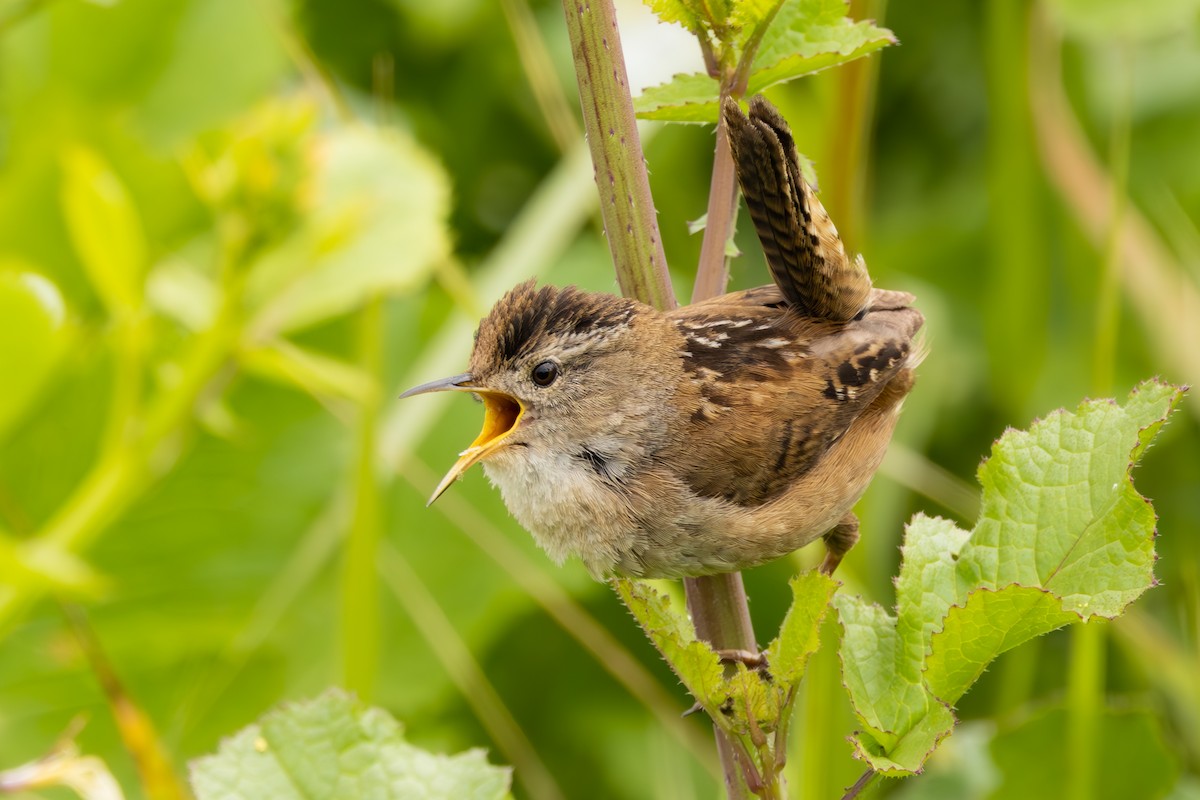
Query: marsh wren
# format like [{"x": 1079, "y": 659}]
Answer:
[{"x": 708, "y": 438}]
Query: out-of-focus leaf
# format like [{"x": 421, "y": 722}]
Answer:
[
  {"x": 317, "y": 374},
  {"x": 216, "y": 86},
  {"x": 336, "y": 747},
  {"x": 87, "y": 776},
  {"x": 1062, "y": 536},
  {"x": 1133, "y": 760},
  {"x": 806, "y": 36},
  {"x": 377, "y": 224},
  {"x": 185, "y": 294},
  {"x": 33, "y": 337},
  {"x": 694, "y": 661},
  {"x": 961, "y": 769},
  {"x": 104, "y": 228}
]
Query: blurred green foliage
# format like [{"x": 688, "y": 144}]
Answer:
[{"x": 231, "y": 231}]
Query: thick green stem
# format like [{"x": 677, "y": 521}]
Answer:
[
  {"x": 625, "y": 202},
  {"x": 717, "y": 603}
]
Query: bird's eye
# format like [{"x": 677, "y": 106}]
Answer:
[{"x": 545, "y": 373}]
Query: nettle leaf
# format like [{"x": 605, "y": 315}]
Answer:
[
  {"x": 690, "y": 14},
  {"x": 336, "y": 747},
  {"x": 749, "y": 13},
  {"x": 799, "y": 636},
  {"x": 747, "y": 700},
  {"x": 694, "y": 661},
  {"x": 806, "y": 36},
  {"x": 685, "y": 98},
  {"x": 1062, "y": 536}
]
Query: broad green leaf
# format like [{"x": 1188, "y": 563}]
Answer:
[
  {"x": 33, "y": 337},
  {"x": 1132, "y": 758},
  {"x": 990, "y": 623},
  {"x": 105, "y": 229},
  {"x": 377, "y": 224},
  {"x": 806, "y": 36},
  {"x": 336, "y": 747},
  {"x": 799, "y": 635},
  {"x": 1062, "y": 536},
  {"x": 694, "y": 661}
]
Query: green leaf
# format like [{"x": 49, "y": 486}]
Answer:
[
  {"x": 377, "y": 225},
  {"x": 990, "y": 623},
  {"x": 1133, "y": 760},
  {"x": 688, "y": 14},
  {"x": 806, "y": 36},
  {"x": 799, "y": 635},
  {"x": 180, "y": 291},
  {"x": 105, "y": 229},
  {"x": 1062, "y": 536},
  {"x": 33, "y": 339},
  {"x": 685, "y": 98},
  {"x": 749, "y": 13},
  {"x": 694, "y": 661},
  {"x": 335, "y": 747}
]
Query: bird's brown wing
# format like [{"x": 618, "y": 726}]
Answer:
[
  {"x": 802, "y": 246},
  {"x": 771, "y": 391}
]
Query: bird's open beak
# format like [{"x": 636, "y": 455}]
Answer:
[{"x": 501, "y": 414}]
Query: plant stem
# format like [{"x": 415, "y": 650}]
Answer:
[
  {"x": 863, "y": 781},
  {"x": 713, "y": 273},
  {"x": 1085, "y": 706},
  {"x": 625, "y": 202},
  {"x": 1018, "y": 276},
  {"x": 717, "y": 603},
  {"x": 360, "y": 626}
]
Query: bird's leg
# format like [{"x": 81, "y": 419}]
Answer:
[{"x": 839, "y": 541}]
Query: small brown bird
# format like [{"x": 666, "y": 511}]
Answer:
[{"x": 709, "y": 438}]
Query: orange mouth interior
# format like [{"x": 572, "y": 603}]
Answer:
[{"x": 501, "y": 414}]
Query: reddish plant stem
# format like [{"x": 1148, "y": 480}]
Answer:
[{"x": 713, "y": 273}]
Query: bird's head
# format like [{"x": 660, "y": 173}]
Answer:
[{"x": 554, "y": 368}]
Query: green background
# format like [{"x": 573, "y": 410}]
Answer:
[{"x": 252, "y": 559}]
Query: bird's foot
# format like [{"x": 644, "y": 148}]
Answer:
[{"x": 838, "y": 542}]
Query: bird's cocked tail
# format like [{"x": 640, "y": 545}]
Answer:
[{"x": 802, "y": 246}]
